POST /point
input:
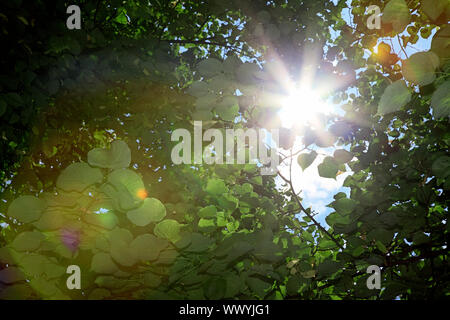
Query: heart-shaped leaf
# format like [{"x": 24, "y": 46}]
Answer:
[
  {"x": 342, "y": 156},
  {"x": 396, "y": 13},
  {"x": 306, "y": 159},
  {"x": 78, "y": 176},
  {"x": 395, "y": 96},
  {"x": 118, "y": 156},
  {"x": 26, "y": 209},
  {"x": 420, "y": 68},
  {"x": 328, "y": 168},
  {"x": 152, "y": 210},
  {"x": 168, "y": 229}
]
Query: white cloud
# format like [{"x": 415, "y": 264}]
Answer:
[{"x": 315, "y": 190}]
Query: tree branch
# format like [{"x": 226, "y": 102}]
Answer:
[{"x": 308, "y": 214}]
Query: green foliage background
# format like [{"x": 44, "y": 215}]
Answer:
[{"x": 86, "y": 117}]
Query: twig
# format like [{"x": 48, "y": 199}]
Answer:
[
  {"x": 308, "y": 214},
  {"x": 401, "y": 46}
]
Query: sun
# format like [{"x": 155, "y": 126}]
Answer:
[{"x": 301, "y": 107}]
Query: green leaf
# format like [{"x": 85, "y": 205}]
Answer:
[
  {"x": 306, "y": 159},
  {"x": 441, "y": 43},
  {"x": 228, "y": 108},
  {"x": 440, "y": 101},
  {"x": 396, "y": 12},
  {"x": 309, "y": 274},
  {"x": 198, "y": 89},
  {"x": 33, "y": 264},
  {"x": 146, "y": 247},
  {"x": 78, "y": 176},
  {"x": 208, "y": 212},
  {"x": 206, "y": 103},
  {"x": 227, "y": 202},
  {"x": 441, "y": 167},
  {"x": 43, "y": 286},
  {"x": 27, "y": 241},
  {"x": 120, "y": 235},
  {"x": 16, "y": 292},
  {"x": 152, "y": 210},
  {"x": 120, "y": 240},
  {"x": 50, "y": 220},
  {"x": 10, "y": 275},
  {"x": 152, "y": 280},
  {"x": 259, "y": 287},
  {"x": 128, "y": 188},
  {"x": 107, "y": 220},
  {"x": 5, "y": 256},
  {"x": 209, "y": 67},
  {"x": 110, "y": 282},
  {"x": 122, "y": 16},
  {"x": 53, "y": 270},
  {"x": 267, "y": 251},
  {"x": 344, "y": 206},
  {"x": 358, "y": 251},
  {"x": 167, "y": 257},
  {"x": 13, "y": 99},
  {"x": 215, "y": 288},
  {"x": 99, "y": 294},
  {"x": 220, "y": 83},
  {"x": 328, "y": 267},
  {"x": 395, "y": 96},
  {"x": 26, "y": 209},
  {"x": 420, "y": 68},
  {"x": 433, "y": 8},
  {"x": 381, "y": 246},
  {"x": 328, "y": 168},
  {"x": 198, "y": 243},
  {"x": 378, "y": 234},
  {"x": 246, "y": 73},
  {"x": 342, "y": 156},
  {"x": 216, "y": 187},
  {"x": 168, "y": 229},
  {"x": 234, "y": 285},
  {"x": 327, "y": 245},
  {"x": 206, "y": 225},
  {"x": 102, "y": 263},
  {"x": 293, "y": 285},
  {"x": 118, "y": 156}
]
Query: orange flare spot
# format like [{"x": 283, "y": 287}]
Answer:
[{"x": 142, "y": 194}]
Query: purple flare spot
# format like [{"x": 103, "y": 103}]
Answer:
[{"x": 71, "y": 239}]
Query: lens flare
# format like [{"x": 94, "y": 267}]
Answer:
[
  {"x": 301, "y": 107},
  {"x": 142, "y": 194}
]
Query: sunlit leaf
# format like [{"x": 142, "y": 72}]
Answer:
[
  {"x": 117, "y": 156},
  {"x": 396, "y": 12},
  {"x": 328, "y": 168},
  {"x": 440, "y": 101},
  {"x": 168, "y": 229},
  {"x": 420, "y": 68},
  {"x": 152, "y": 210},
  {"x": 78, "y": 176},
  {"x": 306, "y": 159},
  {"x": 395, "y": 96}
]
